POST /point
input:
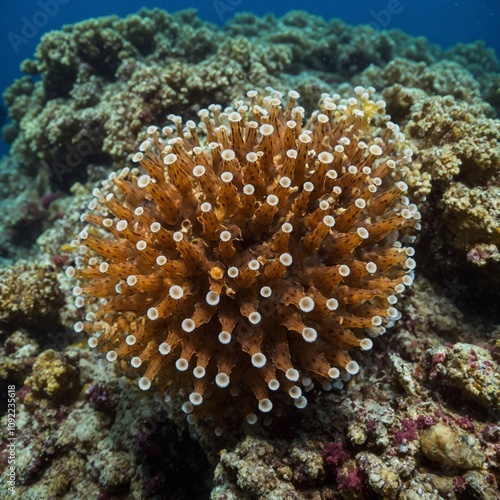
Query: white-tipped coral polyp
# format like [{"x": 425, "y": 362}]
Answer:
[{"x": 250, "y": 251}]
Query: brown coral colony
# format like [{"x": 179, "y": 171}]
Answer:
[{"x": 251, "y": 251}]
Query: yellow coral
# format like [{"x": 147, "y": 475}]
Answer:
[{"x": 52, "y": 378}]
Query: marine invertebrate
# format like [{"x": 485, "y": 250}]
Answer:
[
  {"x": 28, "y": 293},
  {"x": 249, "y": 252},
  {"x": 53, "y": 379}
]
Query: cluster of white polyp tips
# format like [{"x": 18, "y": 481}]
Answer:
[{"x": 245, "y": 255}]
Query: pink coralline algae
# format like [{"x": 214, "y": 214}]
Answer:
[{"x": 334, "y": 454}]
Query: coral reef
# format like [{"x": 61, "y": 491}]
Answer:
[
  {"x": 468, "y": 368},
  {"x": 396, "y": 438},
  {"x": 18, "y": 355},
  {"x": 158, "y": 63},
  {"x": 78, "y": 114},
  {"x": 29, "y": 293},
  {"x": 29, "y": 213},
  {"x": 101, "y": 441},
  {"x": 459, "y": 151},
  {"x": 456, "y": 167},
  {"x": 53, "y": 379}
]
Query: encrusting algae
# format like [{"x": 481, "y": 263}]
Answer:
[{"x": 249, "y": 253}]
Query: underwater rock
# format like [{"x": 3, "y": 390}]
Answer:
[
  {"x": 29, "y": 293},
  {"x": 258, "y": 469},
  {"x": 468, "y": 368},
  {"x": 442, "y": 444},
  {"x": 457, "y": 169},
  {"x": 17, "y": 356},
  {"x": 382, "y": 478},
  {"x": 52, "y": 381}
]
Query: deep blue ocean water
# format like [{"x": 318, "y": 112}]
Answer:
[{"x": 445, "y": 22}]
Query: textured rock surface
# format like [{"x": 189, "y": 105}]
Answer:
[
  {"x": 441, "y": 444},
  {"x": 468, "y": 368},
  {"x": 29, "y": 293}
]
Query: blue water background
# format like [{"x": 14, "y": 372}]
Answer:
[{"x": 445, "y": 22}]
